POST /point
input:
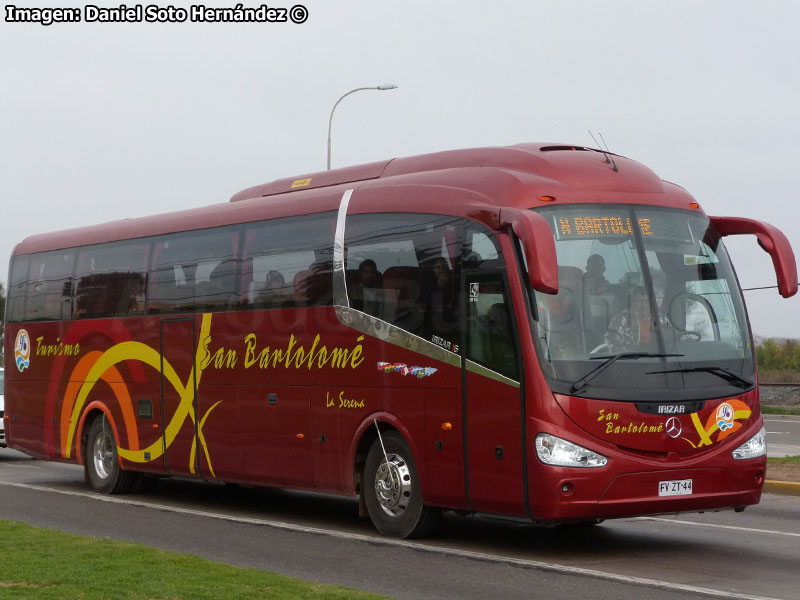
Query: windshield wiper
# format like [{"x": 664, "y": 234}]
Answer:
[
  {"x": 722, "y": 372},
  {"x": 610, "y": 360}
]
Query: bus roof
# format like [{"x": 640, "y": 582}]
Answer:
[{"x": 459, "y": 182}]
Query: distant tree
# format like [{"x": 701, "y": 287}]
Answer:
[
  {"x": 778, "y": 359},
  {"x": 767, "y": 354}
]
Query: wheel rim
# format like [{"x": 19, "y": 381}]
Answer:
[
  {"x": 103, "y": 455},
  {"x": 393, "y": 485}
]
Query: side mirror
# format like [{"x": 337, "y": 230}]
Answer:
[
  {"x": 540, "y": 246},
  {"x": 772, "y": 241}
]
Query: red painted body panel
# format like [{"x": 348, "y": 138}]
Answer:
[
  {"x": 494, "y": 417},
  {"x": 444, "y": 448}
]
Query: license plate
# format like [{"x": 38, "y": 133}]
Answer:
[{"x": 679, "y": 487}]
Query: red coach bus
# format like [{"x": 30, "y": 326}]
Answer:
[{"x": 541, "y": 331}]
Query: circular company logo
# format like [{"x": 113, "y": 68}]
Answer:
[
  {"x": 725, "y": 416},
  {"x": 673, "y": 427},
  {"x": 22, "y": 350}
]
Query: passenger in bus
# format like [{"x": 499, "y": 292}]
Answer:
[
  {"x": 594, "y": 282},
  {"x": 631, "y": 329},
  {"x": 597, "y": 299},
  {"x": 316, "y": 286},
  {"x": 275, "y": 293},
  {"x": 440, "y": 300},
  {"x": 367, "y": 278},
  {"x": 275, "y": 281}
]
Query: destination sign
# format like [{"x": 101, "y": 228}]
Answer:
[{"x": 592, "y": 226}]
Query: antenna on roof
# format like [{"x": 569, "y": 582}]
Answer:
[
  {"x": 602, "y": 139},
  {"x": 609, "y": 160}
]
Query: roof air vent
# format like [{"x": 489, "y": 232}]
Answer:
[{"x": 563, "y": 148}]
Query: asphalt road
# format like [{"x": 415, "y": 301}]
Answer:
[
  {"x": 783, "y": 435},
  {"x": 754, "y": 554}
]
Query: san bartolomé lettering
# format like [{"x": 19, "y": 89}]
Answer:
[
  {"x": 633, "y": 428},
  {"x": 612, "y": 426},
  {"x": 297, "y": 356},
  {"x": 602, "y": 415}
]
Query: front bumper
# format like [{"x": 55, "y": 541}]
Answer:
[{"x": 570, "y": 496}]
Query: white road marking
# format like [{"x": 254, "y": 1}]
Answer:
[
  {"x": 493, "y": 558},
  {"x": 716, "y": 526}
]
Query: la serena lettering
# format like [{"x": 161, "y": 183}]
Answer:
[{"x": 330, "y": 402}]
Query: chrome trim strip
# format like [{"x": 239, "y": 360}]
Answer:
[
  {"x": 339, "y": 280},
  {"x": 391, "y": 334},
  {"x": 473, "y": 367}
]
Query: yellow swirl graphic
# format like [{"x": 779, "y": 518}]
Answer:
[
  {"x": 143, "y": 353},
  {"x": 741, "y": 411}
]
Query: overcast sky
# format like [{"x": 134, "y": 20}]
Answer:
[{"x": 105, "y": 121}]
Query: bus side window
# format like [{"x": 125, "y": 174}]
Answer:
[
  {"x": 17, "y": 284},
  {"x": 110, "y": 280},
  {"x": 417, "y": 272},
  {"x": 49, "y": 289},
  {"x": 288, "y": 262},
  {"x": 490, "y": 336},
  {"x": 194, "y": 271}
]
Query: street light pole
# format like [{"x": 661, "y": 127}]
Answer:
[{"x": 386, "y": 86}]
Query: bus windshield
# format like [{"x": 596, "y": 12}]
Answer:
[{"x": 648, "y": 307}]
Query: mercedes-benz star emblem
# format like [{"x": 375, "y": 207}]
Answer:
[{"x": 673, "y": 427}]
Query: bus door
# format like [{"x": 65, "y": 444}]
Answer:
[
  {"x": 492, "y": 396},
  {"x": 178, "y": 352}
]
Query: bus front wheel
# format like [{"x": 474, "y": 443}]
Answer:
[
  {"x": 392, "y": 491},
  {"x": 102, "y": 463}
]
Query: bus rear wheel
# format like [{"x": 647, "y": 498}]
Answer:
[
  {"x": 392, "y": 492},
  {"x": 102, "y": 462}
]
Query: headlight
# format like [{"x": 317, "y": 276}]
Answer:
[
  {"x": 753, "y": 448},
  {"x": 553, "y": 450}
]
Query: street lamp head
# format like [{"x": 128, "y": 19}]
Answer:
[{"x": 385, "y": 86}]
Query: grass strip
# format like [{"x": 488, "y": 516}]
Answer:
[
  {"x": 42, "y": 564},
  {"x": 779, "y": 410},
  {"x": 784, "y": 460}
]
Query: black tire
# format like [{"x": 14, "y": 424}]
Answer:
[
  {"x": 392, "y": 492},
  {"x": 102, "y": 463}
]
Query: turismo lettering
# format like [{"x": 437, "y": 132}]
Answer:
[{"x": 57, "y": 349}]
